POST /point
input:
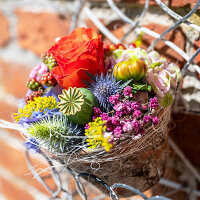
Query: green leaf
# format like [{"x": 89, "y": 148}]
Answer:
[
  {"x": 126, "y": 83},
  {"x": 141, "y": 87},
  {"x": 166, "y": 100}
]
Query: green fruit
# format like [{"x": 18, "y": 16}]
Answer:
[{"x": 77, "y": 104}]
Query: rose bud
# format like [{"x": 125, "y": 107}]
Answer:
[{"x": 132, "y": 69}]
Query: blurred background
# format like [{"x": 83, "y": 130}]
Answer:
[{"x": 29, "y": 27}]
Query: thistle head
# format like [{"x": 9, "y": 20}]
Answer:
[
  {"x": 56, "y": 133},
  {"x": 103, "y": 88}
]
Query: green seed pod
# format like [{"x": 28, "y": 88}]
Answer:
[{"x": 77, "y": 104}]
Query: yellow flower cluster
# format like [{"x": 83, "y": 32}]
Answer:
[
  {"x": 39, "y": 104},
  {"x": 95, "y": 135}
]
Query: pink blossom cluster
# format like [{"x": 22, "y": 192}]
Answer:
[
  {"x": 128, "y": 116},
  {"x": 37, "y": 72}
]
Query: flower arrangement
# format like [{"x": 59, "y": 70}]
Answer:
[{"x": 101, "y": 102}]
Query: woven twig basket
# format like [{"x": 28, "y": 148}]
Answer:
[{"x": 139, "y": 163}]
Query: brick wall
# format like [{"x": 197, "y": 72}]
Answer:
[{"x": 28, "y": 28}]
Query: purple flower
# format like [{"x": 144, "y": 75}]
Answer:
[
  {"x": 127, "y": 107},
  {"x": 114, "y": 99},
  {"x": 87, "y": 126},
  {"x": 144, "y": 107},
  {"x": 119, "y": 113},
  {"x": 137, "y": 114},
  {"x": 119, "y": 107},
  {"x": 32, "y": 145},
  {"x": 109, "y": 124},
  {"x": 136, "y": 124},
  {"x": 128, "y": 91},
  {"x": 146, "y": 118},
  {"x": 104, "y": 116},
  {"x": 135, "y": 106},
  {"x": 118, "y": 131},
  {"x": 97, "y": 112},
  {"x": 115, "y": 120},
  {"x": 155, "y": 120},
  {"x": 153, "y": 103}
]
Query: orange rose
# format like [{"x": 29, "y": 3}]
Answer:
[{"x": 80, "y": 51}]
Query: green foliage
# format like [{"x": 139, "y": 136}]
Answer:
[{"x": 141, "y": 87}]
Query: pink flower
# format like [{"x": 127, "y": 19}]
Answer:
[
  {"x": 104, "y": 116},
  {"x": 137, "y": 114},
  {"x": 153, "y": 103},
  {"x": 146, "y": 118},
  {"x": 128, "y": 91},
  {"x": 136, "y": 124},
  {"x": 127, "y": 126},
  {"x": 114, "y": 99},
  {"x": 135, "y": 106},
  {"x": 87, "y": 126},
  {"x": 97, "y": 111},
  {"x": 117, "y": 131},
  {"x": 155, "y": 120},
  {"x": 159, "y": 79},
  {"x": 109, "y": 135},
  {"x": 38, "y": 71},
  {"x": 119, "y": 107}
]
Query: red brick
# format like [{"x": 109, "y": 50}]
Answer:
[
  {"x": 6, "y": 111},
  {"x": 13, "y": 192},
  {"x": 37, "y": 31},
  {"x": 177, "y": 36},
  {"x": 4, "y": 30},
  {"x": 14, "y": 161},
  {"x": 196, "y": 45},
  {"x": 14, "y": 77},
  {"x": 91, "y": 25}
]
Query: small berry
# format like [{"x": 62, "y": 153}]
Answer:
[
  {"x": 49, "y": 61},
  {"x": 31, "y": 96},
  {"x": 48, "y": 79},
  {"x": 121, "y": 46},
  {"x": 112, "y": 47},
  {"x": 33, "y": 85}
]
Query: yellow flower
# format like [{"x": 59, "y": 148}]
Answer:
[
  {"x": 95, "y": 135},
  {"x": 39, "y": 104}
]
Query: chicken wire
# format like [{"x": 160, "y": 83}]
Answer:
[{"x": 135, "y": 26}]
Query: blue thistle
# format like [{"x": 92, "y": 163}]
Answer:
[
  {"x": 103, "y": 88},
  {"x": 56, "y": 133}
]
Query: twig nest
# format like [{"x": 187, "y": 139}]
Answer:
[{"x": 77, "y": 104}]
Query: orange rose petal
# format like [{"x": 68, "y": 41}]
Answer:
[{"x": 79, "y": 51}]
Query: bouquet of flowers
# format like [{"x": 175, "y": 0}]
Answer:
[{"x": 101, "y": 109}]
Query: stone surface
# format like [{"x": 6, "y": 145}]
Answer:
[
  {"x": 37, "y": 31},
  {"x": 4, "y": 30}
]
